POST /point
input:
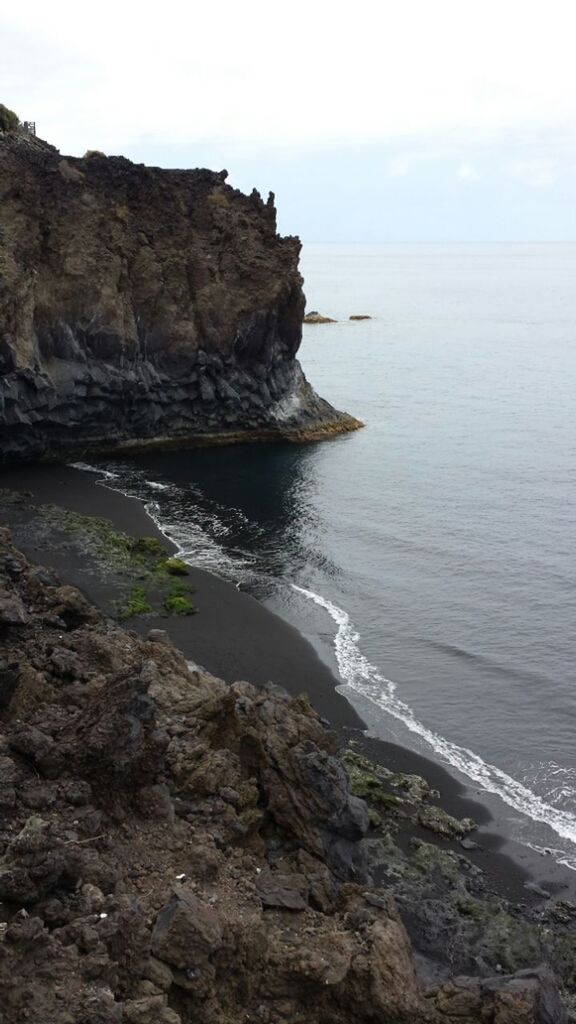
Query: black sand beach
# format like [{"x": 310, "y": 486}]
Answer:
[{"x": 235, "y": 637}]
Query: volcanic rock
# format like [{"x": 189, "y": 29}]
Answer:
[
  {"x": 142, "y": 306},
  {"x": 187, "y": 932},
  {"x": 278, "y": 890},
  {"x": 316, "y": 318},
  {"x": 175, "y": 849}
]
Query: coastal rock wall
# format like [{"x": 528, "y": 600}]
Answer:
[{"x": 140, "y": 305}]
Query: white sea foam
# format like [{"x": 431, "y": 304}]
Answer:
[
  {"x": 366, "y": 680},
  {"x": 195, "y": 534},
  {"x": 157, "y": 486},
  {"x": 193, "y": 529},
  {"x": 106, "y": 473}
]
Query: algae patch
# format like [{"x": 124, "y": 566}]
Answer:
[
  {"x": 136, "y": 603},
  {"x": 371, "y": 782},
  {"x": 147, "y": 580}
]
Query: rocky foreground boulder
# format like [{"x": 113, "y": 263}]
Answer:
[
  {"x": 175, "y": 850},
  {"x": 144, "y": 306}
]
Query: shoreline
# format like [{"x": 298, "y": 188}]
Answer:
[
  {"x": 321, "y": 430},
  {"x": 262, "y": 647}
]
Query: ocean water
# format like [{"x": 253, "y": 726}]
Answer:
[{"x": 429, "y": 557}]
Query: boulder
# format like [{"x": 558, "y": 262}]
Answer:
[
  {"x": 309, "y": 794},
  {"x": 115, "y": 737},
  {"x": 280, "y": 890},
  {"x": 382, "y": 979},
  {"x": 527, "y": 997},
  {"x": 443, "y": 824},
  {"x": 12, "y": 610},
  {"x": 72, "y": 607},
  {"x": 187, "y": 932}
]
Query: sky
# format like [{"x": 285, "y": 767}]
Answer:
[{"x": 390, "y": 121}]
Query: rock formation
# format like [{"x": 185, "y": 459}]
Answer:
[
  {"x": 313, "y": 317},
  {"x": 144, "y": 306},
  {"x": 173, "y": 849}
]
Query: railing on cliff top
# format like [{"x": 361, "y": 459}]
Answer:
[{"x": 30, "y": 127}]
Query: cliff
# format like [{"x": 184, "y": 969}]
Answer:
[
  {"x": 174, "y": 849},
  {"x": 144, "y": 306}
]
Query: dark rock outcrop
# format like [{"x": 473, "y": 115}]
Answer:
[
  {"x": 317, "y": 318},
  {"x": 173, "y": 849},
  {"x": 144, "y": 306}
]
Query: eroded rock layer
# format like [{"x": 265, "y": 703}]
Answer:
[{"x": 140, "y": 305}]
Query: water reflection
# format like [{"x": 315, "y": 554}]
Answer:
[{"x": 259, "y": 507}]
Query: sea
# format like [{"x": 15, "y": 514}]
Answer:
[{"x": 429, "y": 557}]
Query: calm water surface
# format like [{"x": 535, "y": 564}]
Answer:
[{"x": 430, "y": 557}]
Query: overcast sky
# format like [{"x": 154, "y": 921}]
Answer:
[{"x": 398, "y": 120}]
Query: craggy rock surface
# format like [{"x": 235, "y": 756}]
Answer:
[
  {"x": 173, "y": 849},
  {"x": 143, "y": 305}
]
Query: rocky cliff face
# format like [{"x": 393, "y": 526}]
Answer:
[
  {"x": 140, "y": 305},
  {"x": 173, "y": 849}
]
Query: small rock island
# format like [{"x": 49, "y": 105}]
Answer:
[{"x": 313, "y": 317}]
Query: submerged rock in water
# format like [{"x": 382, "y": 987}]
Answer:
[
  {"x": 359, "y": 316},
  {"x": 165, "y": 309}
]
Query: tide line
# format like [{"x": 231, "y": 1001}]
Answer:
[{"x": 365, "y": 679}]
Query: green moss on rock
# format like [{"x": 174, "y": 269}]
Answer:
[
  {"x": 137, "y": 603},
  {"x": 370, "y": 781},
  {"x": 175, "y": 567},
  {"x": 178, "y": 604},
  {"x": 160, "y": 584}
]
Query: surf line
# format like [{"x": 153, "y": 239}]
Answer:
[
  {"x": 363, "y": 677},
  {"x": 194, "y": 542}
]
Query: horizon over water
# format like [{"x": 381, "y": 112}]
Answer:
[{"x": 428, "y": 556}]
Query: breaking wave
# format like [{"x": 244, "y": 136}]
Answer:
[
  {"x": 198, "y": 531},
  {"x": 194, "y": 528},
  {"x": 365, "y": 679}
]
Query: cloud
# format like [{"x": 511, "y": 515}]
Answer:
[
  {"x": 116, "y": 74},
  {"x": 467, "y": 172},
  {"x": 399, "y": 166},
  {"x": 439, "y": 120},
  {"x": 539, "y": 172}
]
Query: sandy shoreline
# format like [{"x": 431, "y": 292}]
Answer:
[{"x": 235, "y": 637}]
